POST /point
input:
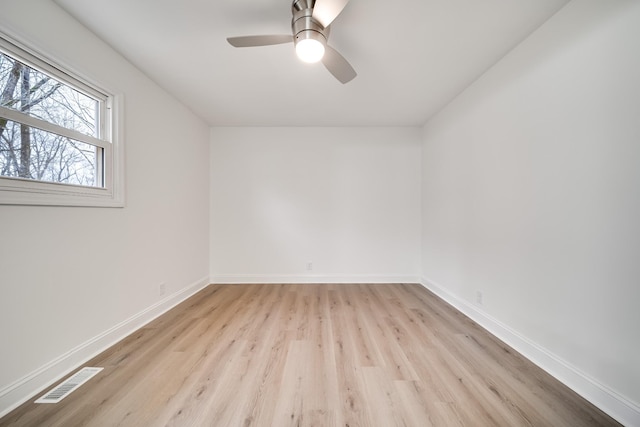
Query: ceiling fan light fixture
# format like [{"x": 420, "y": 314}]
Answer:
[
  {"x": 310, "y": 46},
  {"x": 310, "y": 50},
  {"x": 310, "y": 24}
]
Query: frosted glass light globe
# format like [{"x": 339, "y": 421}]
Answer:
[{"x": 310, "y": 50}]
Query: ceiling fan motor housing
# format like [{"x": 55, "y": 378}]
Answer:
[{"x": 304, "y": 26}]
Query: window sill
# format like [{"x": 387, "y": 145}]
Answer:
[{"x": 24, "y": 192}]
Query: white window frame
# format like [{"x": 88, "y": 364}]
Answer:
[{"x": 20, "y": 191}]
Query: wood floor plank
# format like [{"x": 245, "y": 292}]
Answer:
[{"x": 314, "y": 355}]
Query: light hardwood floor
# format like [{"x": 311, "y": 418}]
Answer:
[{"x": 314, "y": 355}]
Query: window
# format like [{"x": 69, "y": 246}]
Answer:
[{"x": 59, "y": 141}]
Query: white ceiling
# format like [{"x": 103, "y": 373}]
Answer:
[{"x": 412, "y": 57}]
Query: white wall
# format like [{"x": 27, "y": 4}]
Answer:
[
  {"x": 345, "y": 199},
  {"x": 531, "y": 193},
  {"x": 67, "y": 275}
]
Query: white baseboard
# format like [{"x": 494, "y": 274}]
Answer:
[
  {"x": 616, "y": 406},
  {"x": 282, "y": 278},
  {"x": 18, "y": 392}
]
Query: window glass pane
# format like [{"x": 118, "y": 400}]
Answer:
[
  {"x": 35, "y": 93},
  {"x": 30, "y": 153}
]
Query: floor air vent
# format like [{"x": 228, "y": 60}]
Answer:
[{"x": 65, "y": 388}]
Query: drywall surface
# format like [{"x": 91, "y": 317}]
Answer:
[
  {"x": 315, "y": 204},
  {"x": 69, "y": 274},
  {"x": 531, "y": 192}
]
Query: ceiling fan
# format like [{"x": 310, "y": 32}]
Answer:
[{"x": 310, "y": 27}]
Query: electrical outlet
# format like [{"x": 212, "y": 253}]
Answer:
[
  {"x": 479, "y": 297},
  {"x": 162, "y": 288},
  {"x": 309, "y": 266}
]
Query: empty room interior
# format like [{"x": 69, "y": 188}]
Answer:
[{"x": 436, "y": 224}]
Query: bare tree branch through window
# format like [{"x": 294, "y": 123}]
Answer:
[{"x": 31, "y": 153}]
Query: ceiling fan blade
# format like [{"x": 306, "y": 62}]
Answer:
[
  {"x": 325, "y": 11},
  {"x": 251, "y": 41},
  {"x": 338, "y": 66}
]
